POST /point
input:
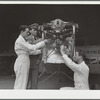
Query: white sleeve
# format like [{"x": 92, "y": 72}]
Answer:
[
  {"x": 26, "y": 46},
  {"x": 72, "y": 65},
  {"x": 35, "y": 52}
]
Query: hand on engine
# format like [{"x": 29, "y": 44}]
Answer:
[
  {"x": 47, "y": 41},
  {"x": 64, "y": 50}
]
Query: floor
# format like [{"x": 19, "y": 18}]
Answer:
[{"x": 54, "y": 82}]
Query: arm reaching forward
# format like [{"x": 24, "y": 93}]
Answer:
[{"x": 72, "y": 65}]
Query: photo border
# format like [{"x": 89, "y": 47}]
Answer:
[{"x": 50, "y": 94}]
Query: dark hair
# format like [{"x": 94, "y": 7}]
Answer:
[
  {"x": 82, "y": 54},
  {"x": 87, "y": 61},
  {"x": 33, "y": 26},
  {"x": 30, "y": 28},
  {"x": 22, "y": 27}
]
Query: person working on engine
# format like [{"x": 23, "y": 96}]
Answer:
[
  {"x": 81, "y": 70},
  {"x": 35, "y": 58},
  {"x": 22, "y": 63}
]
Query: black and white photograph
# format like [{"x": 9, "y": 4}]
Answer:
[{"x": 49, "y": 46}]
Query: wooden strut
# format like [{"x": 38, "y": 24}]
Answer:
[{"x": 73, "y": 52}]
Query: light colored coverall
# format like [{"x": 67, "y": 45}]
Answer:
[
  {"x": 22, "y": 63},
  {"x": 81, "y": 74}
]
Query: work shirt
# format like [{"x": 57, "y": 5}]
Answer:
[{"x": 81, "y": 73}]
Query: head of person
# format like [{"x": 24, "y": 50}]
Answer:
[
  {"x": 24, "y": 30},
  {"x": 33, "y": 29},
  {"x": 78, "y": 58}
]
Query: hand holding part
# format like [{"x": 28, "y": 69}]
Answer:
[
  {"x": 47, "y": 41},
  {"x": 64, "y": 50}
]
